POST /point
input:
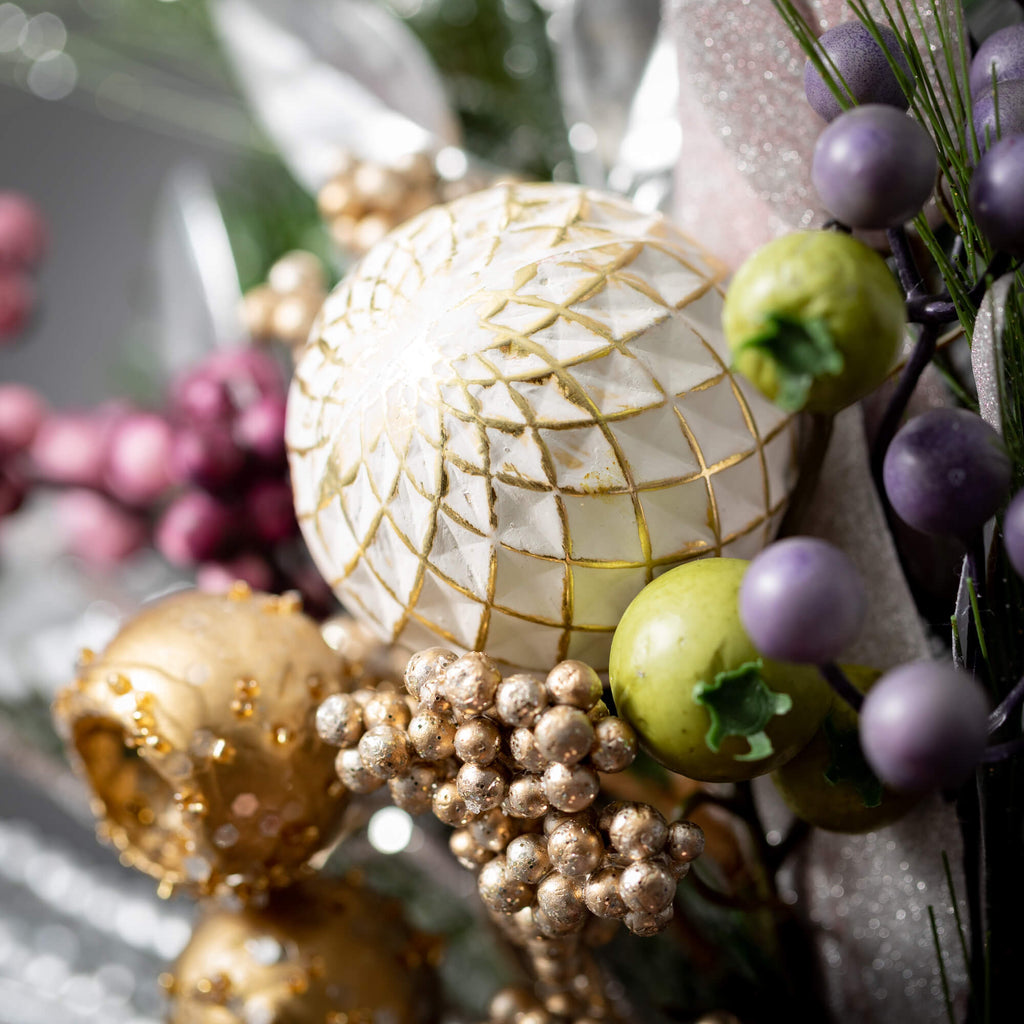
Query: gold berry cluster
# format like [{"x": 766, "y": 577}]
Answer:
[
  {"x": 365, "y": 199},
  {"x": 512, "y": 764},
  {"x": 284, "y": 308}
]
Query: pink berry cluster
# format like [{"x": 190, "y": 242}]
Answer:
[
  {"x": 204, "y": 480},
  {"x": 22, "y": 244}
]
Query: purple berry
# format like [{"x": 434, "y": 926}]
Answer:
[
  {"x": 138, "y": 462},
  {"x": 946, "y": 472},
  {"x": 863, "y": 66},
  {"x": 194, "y": 528},
  {"x": 70, "y": 448},
  {"x": 218, "y": 577},
  {"x": 22, "y": 231},
  {"x": 17, "y": 297},
  {"x": 97, "y": 530},
  {"x": 1002, "y": 54},
  {"x": 1010, "y": 97},
  {"x": 874, "y": 167},
  {"x": 260, "y": 429},
  {"x": 997, "y": 195},
  {"x": 21, "y": 414},
  {"x": 802, "y": 600},
  {"x": 207, "y": 456},
  {"x": 924, "y": 726},
  {"x": 1013, "y": 532},
  {"x": 271, "y": 511},
  {"x": 198, "y": 398}
]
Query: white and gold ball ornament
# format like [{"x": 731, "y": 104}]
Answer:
[
  {"x": 515, "y": 412},
  {"x": 196, "y": 729}
]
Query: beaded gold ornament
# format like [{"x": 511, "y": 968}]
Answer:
[
  {"x": 512, "y": 766},
  {"x": 285, "y": 307},
  {"x": 195, "y": 731},
  {"x": 325, "y": 951}
]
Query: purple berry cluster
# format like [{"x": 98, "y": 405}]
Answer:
[
  {"x": 997, "y": 184},
  {"x": 204, "y": 480},
  {"x": 873, "y": 166},
  {"x": 22, "y": 245}
]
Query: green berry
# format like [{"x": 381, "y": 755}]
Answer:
[{"x": 814, "y": 320}]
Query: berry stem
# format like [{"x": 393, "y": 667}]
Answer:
[
  {"x": 813, "y": 459},
  {"x": 924, "y": 349},
  {"x": 837, "y": 679},
  {"x": 1010, "y": 703},
  {"x": 1002, "y": 751},
  {"x": 906, "y": 265}
]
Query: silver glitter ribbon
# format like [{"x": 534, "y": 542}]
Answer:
[
  {"x": 986, "y": 350},
  {"x": 748, "y": 131},
  {"x": 864, "y": 899}
]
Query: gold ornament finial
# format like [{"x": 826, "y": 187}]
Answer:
[{"x": 196, "y": 731}]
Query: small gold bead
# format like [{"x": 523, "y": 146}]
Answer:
[
  {"x": 413, "y": 790},
  {"x": 527, "y": 858},
  {"x": 335, "y": 198},
  {"x": 477, "y": 741},
  {"x": 296, "y": 271},
  {"x": 387, "y": 708},
  {"x": 354, "y": 774},
  {"x": 448, "y": 806},
  {"x": 570, "y": 789},
  {"x": 339, "y": 720},
  {"x": 385, "y": 751},
  {"x": 575, "y": 849},
  {"x": 509, "y": 1003},
  {"x": 493, "y": 830},
  {"x": 647, "y": 887},
  {"x": 564, "y": 735},
  {"x": 432, "y": 734},
  {"x": 471, "y": 682},
  {"x": 258, "y": 305},
  {"x": 481, "y": 788},
  {"x": 524, "y": 749},
  {"x": 370, "y": 229},
  {"x": 637, "y": 831},
  {"x": 526, "y": 797},
  {"x": 575, "y": 683},
  {"x": 558, "y": 901},
  {"x": 427, "y": 665},
  {"x": 469, "y": 853},
  {"x": 685, "y": 841},
  {"x": 615, "y": 745},
  {"x": 520, "y": 699},
  {"x": 644, "y": 925},
  {"x": 500, "y": 890},
  {"x": 602, "y": 894}
]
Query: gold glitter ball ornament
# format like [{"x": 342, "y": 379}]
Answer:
[
  {"x": 196, "y": 731},
  {"x": 323, "y": 952},
  {"x": 517, "y": 411}
]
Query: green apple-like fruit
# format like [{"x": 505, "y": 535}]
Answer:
[
  {"x": 814, "y": 320},
  {"x": 687, "y": 677},
  {"x": 829, "y": 784}
]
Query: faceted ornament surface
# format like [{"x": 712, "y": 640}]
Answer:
[{"x": 516, "y": 411}]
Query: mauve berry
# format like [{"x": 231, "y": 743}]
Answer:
[
  {"x": 1011, "y": 114},
  {"x": 271, "y": 512},
  {"x": 218, "y": 577},
  {"x": 17, "y": 296},
  {"x": 946, "y": 472},
  {"x": 924, "y": 726},
  {"x": 874, "y": 167},
  {"x": 246, "y": 372},
  {"x": 194, "y": 528},
  {"x": 206, "y": 455},
  {"x": 997, "y": 195},
  {"x": 862, "y": 65},
  {"x": 802, "y": 600},
  {"x": 198, "y": 398},
  {"x": 1003, "y": 54},
  {"x": 138, "y": 460},
  {"x": 1013, "y": 532},
  {"x": 21, "y": 413},
  {"x": 259, "y": 429},
  {"x": 70, "y": 448},
  {"x": 97, "y": 530},
  {"x": 22, "y": 231}
]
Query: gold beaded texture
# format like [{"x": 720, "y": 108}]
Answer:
[{"x": 196, "y": 731}]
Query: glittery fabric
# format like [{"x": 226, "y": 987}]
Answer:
[
  {"x": 986, "y": 345},
  {"x": 748, "y": 132},
  {"x": 865, "y": 898}
]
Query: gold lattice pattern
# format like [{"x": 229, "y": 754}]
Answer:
[{"x": 518, "y": 411}]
